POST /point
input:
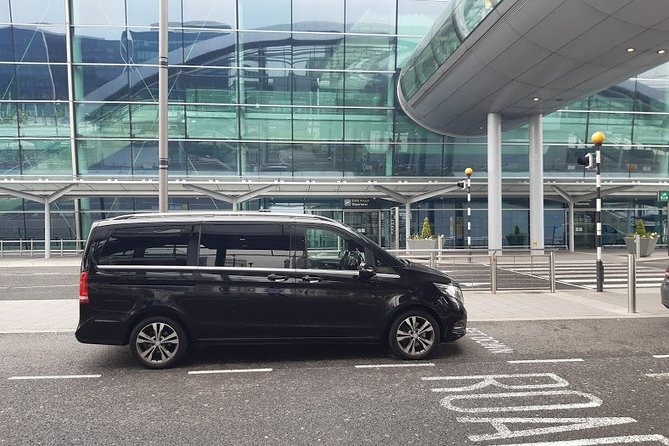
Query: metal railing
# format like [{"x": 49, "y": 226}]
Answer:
[
  {"x": 480, "y": 270},
  {"x": 33, "y": 247}
]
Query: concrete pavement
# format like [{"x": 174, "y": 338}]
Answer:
[{"x": 31, "y": 316}]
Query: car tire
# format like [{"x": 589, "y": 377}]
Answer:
[
  {"x": 414, "y": 334},
  {"x": 158, "y": 342}
]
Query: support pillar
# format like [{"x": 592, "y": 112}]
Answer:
[
  {"x": 571, "y": 225},
  {"x": 47, "y": 229},
  {"x": 494, "y": 182},
  {"x": 407, "y": 222},
  {"x": 536, "y": 185}
]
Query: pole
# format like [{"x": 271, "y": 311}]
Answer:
[
  {"x": 163, "y": 75},
  {"x": 469, "y": 171},
  {"x": 598, "y": 139},
  {"x": 631, "y": 283}
]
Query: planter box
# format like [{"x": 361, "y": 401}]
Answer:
[
  {"x": 420, "y": 246},
  {"x": 646, "y": 245}
]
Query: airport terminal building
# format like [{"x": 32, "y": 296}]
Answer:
[{"x": 293, "y": 105}]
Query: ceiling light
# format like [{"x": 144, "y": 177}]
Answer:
[{"x": 630, "y": 50}]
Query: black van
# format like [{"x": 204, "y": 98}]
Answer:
[{"x": 161, "y": 281}]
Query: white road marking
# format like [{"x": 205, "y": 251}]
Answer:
[
  {"x": 378, "y": 366},
  {"x": 532, "y": 361},
  {"x": 55, "y": 377},
  {"x": 208, "y": 372},
  {"x": 657, "y": 375},
  {"x": 597, "y": 441},
  {"x": 660, "y": 356}
]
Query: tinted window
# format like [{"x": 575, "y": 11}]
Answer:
[
  {"x": 245, "y": 246},
  {"x": 321, "y": 248},
  {"x": 163, "y": 245}
]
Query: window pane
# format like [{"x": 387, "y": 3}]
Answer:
[
  {"x": 143, "y": 13},
  {"x": 408, "y": 131},
  {"x": 8, "y": 121},
  {"x": 325, "y": 249},
  {"x": 104, "y": 157},
  {"x": 370, "y": 53},
  {"x": 40, "y": 44},
  {"x": 209, "y": 48},
  {"x": 210, "y": 158},
  {"x": 211, "y": 121},
  {"x": 416, "y": 17},
  {"x": 270, "y": 87},
  {"x": 4, "y": 13},
  {"x": 10, "y": 157},
  {"x": 317, "y": 52},
  {"x": 99, "y": 45},
  {"x": 44, "y": 119},
  {"x": 103, "y": 120},
  {"x": 368, "y": 125},
  {"x": 319, "y": 160},
  {"x": 366, "y": 159},
  {"x": 206, "y": 85},
  {"x": 318, "y": 15},
  {"x": 617, "y": 126},
  {"x": 370, "y": 16},
  {"x": 318, "y": 124},
  {"x": 651, "y": 129},
  {"x": 265, "y": 50},
  {"x": 369, "y": 90},
  {"x": 163, "y": 245},
  {"x": 99, "y": 12},
  {"x": 46, "y": 157},
  {"x": 244, "y": 246},
  {"x": 144, "y": 121},
  {"x": 269, "y": 159},
  {"x": 42, "y": 82},
  {"x": 37, "y": 11},
  {"x": 265, "y": 122},
  {"x": 264, "y": 14},
  {"x": 418, "y": 160},
  {"x": 208, "y": 14},
  {"x": 100, "y": 83}
]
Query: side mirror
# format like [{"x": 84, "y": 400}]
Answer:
[{"x": 366, "y": 271}]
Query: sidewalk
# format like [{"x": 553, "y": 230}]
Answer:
[{"x": 32, "y": 316}]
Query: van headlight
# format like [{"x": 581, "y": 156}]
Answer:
[{"x": 451, "y": 290}]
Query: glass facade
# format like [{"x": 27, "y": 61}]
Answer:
[{"x": 272, "y": 89}]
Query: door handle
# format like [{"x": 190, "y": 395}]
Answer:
[
  {"x": 311, "y": 279},
  {"x": 277, "y": 277}
]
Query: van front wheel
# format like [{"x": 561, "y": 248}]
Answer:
[
  {"x": 158, "y": 342},
  {"x": 414, "y": 335}
]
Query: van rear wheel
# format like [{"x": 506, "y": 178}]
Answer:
[
  {"x": 158, "y": 342},
  {"x": 414, "y": 335}
]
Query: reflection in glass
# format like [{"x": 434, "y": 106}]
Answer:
[
  {"x": 211, "y": 158},
  {"x": 10, "y": 158},
  {"x": 36, "y": 11},
  {"x": 44, "y": 119},
  {"x": 416, "y": 18},
  {"x": 318, "y": 15},
  {"x": 265, "y": 123},
  {"x": 211, "y": 121},
  {"x": 208, "y": 14},
  {"x": 99, "y": 12},
  {"x": 100, "y": 83},
  {"x": 370, "y": 16},
  {"x": 318, "y": 124},
  {"x": 368, "y": 125},
  {"x": 99, "y": 45},
  {"x": 265, "y": 50},
  {"x": 103, "y": 120},
  {"x": 417, "y": 160},
  {"x": 8, "y": 121},
  {"x": 42, "y": 82},
  {"x": 39, "y": 44},
  {"x": 269, "y": 159},
  {"x": 370, "y": 53},
  {"x": 105, "y": 157},
  {"x": 51, "y": 157},
  {"x": 318, "y": 160},
  {"x": 7, "y": 82},
  {"x": 264, "y": 14},
  {"x": 143, "y": 13}
]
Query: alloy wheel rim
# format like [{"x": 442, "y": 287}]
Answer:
[
  {"x": 415, "y": 335},
  {"x": 157, "y": 342}
]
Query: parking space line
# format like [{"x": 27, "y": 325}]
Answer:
[
  {"x": 657, "y": 375},
  {"x": 660, "y": 356},
  {"x": 539, "y": 361},
  {"x": 54, "y": 377},
  {"x": 211, "y": 372},
  {"x": 378, "y": 366}
]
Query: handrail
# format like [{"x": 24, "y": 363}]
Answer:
[{"x": 32, "y": 247}]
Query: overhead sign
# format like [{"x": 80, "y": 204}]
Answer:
[{"x": 663, "y": 196}]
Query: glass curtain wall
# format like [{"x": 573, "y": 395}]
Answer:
[{"x": 265, "y": 88}]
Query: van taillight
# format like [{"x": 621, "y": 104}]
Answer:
[{"x": 83, "y": 288}]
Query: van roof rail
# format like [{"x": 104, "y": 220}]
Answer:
[{"x": 149, "y": 215}]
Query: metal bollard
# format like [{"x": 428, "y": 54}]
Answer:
[
  {"x": 433, "y": 259},
  {"x": 493, "y": 274},
  {"x": 631, "y": 283},
  {"x": 551, "y": 271}
]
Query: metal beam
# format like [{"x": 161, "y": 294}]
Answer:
[
  {"x": 608, "y": 191},
  {"x": 395, "y": 196},
  {"x": 254, "y": 193},
  {"x": 60, "y": 193},
  {"x": 213, "y": 194},
  {"x": 24, "y": 195},
  {"x": 427, "y": 195}
]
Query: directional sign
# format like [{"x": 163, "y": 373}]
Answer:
[{"x": 663, "y": 196}]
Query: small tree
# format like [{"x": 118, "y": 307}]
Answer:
[
  {"x": 640, "y": 229},
  {"x": 426, "y": 232}
]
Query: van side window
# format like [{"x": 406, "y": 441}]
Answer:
[
  {"x": 244, "y": 246},
  {"x": 326, "y": 249},
  {"x": 148, "y": 246}
]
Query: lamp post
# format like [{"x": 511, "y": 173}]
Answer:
[
  {"x": 469, "y": 171},
  {"x": 597, "y": 139}
]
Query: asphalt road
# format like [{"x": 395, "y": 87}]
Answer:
[{"x": 612, "y": 383}]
